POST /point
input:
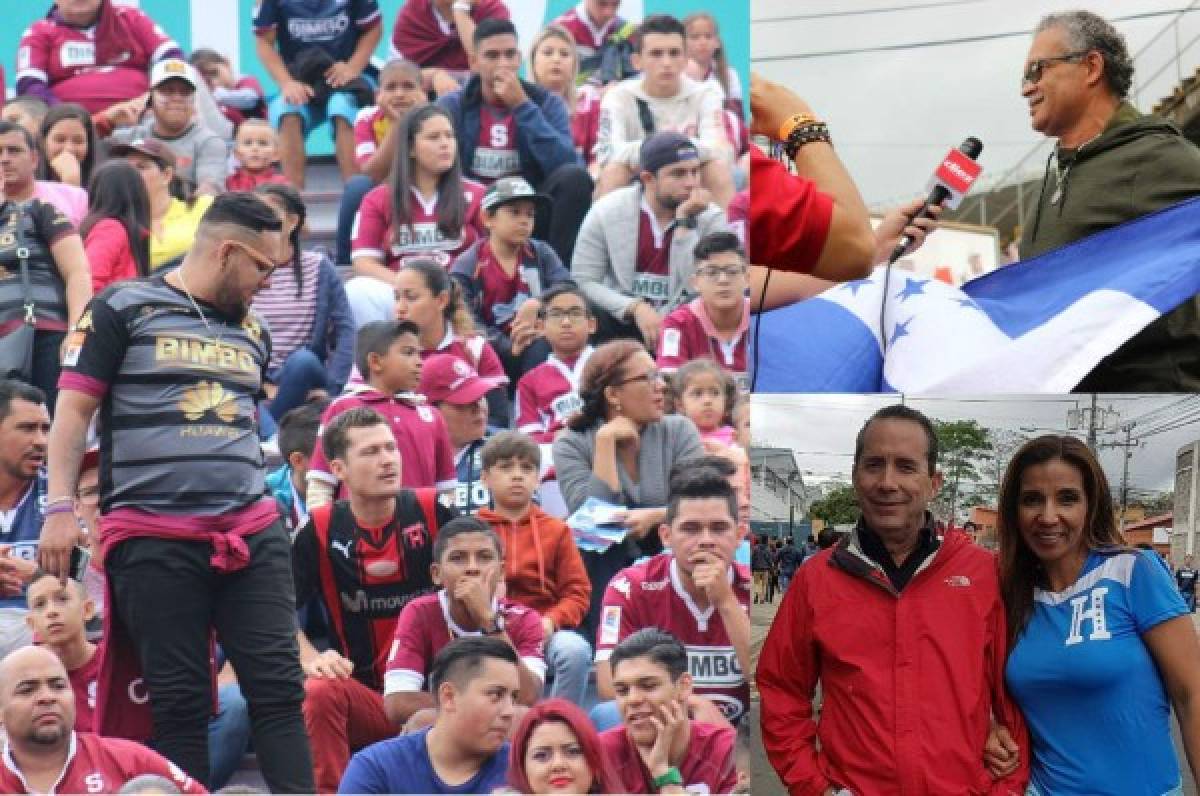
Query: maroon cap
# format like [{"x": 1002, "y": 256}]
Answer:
[
  {"x": 445, "y": 377},
  {"x": 150, "y": 147}
]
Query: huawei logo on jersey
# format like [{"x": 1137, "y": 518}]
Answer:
[
  {"x": 209, "y": 396},
  {"x": 380, "y": 565}
]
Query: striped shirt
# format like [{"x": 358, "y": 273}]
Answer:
[
  {"x": 289, "y": 316},
  {"x": 178, "y": 421}
]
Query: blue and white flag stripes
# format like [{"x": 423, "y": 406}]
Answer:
[{"x": 1039, "y": 325}]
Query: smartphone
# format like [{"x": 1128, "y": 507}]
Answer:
[{"x": 80, "y": 557}]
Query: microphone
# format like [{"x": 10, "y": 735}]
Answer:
[{"x": 951, "y": 181}]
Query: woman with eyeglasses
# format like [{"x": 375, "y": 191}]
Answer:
[
  {"x": 620, "y": 448},
  {"x": 1101, "y": 644}
]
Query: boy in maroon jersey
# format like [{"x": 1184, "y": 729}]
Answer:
[{"x": 657, "y": 744}]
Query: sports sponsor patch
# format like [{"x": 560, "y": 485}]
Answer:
[
  {"x": 566, "y": 405},
  {"x": 74, "y": 346},
  {"x": 610, "y": 624},
  {"x": 671, "y": 340},
  {"x": 77, "y": 53},
  {"x": 654, "y": 288}
]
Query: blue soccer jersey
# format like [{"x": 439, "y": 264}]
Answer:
[
  {"x": 332, "y": 25},
  {"x": 1097, "y": 710}
]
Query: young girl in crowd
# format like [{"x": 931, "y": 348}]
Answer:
[
  {"x": 375, "y": 131},
  {"x": 705, "y": 394},
  {"x": 116, "y": 231},
  {"x": 554, "y": 64},
  {"x": 426, "y": 295},
  {"x": 707, "y": 60},
  {"x": 257, "y": 150},
  {"x": 428, "y": 210},
  {"x": 68, "y": 145}
]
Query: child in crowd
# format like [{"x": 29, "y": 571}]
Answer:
[
  {"x": 548, "y": 395},
  {"x": 469, "y": 567},
  {"x": 257, "y": 150},
  {"x": 715, "y": 324},
  {"x": 27, "y": 112},
  {"x": 741, "y": 421},
  {"x": 543, "y": 569},
  {"x": 503, "y": 276},
  {"x": 375, "y": 131},
  {"x": 707, "y": 61},
  {"x": 388, "y": 357},
  {"x": 239, "y": 99},
  {"x": 705, "y": 395},
  {"x": 289, "y": 483}
]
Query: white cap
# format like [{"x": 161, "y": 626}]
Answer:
[{"x": 172, "y": 68}]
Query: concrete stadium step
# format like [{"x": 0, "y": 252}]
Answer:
[{"x": 322, "y": 194}]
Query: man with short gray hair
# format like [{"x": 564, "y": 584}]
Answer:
[{"x": 1112, "y": 164}]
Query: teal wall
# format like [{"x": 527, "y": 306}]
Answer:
[{"x": 175, "y": 17}]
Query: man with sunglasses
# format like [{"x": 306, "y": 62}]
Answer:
[
  {"x": 1111, "y": 165},
  {"x": 192, "y": 542}
]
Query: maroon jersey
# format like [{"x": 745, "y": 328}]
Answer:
[
  {"x": 67, "y": 58},
  {"x": 588, "y": 38},
  {"x": 500, "y": 288},
  {"x": 426, "y": 455},
  {"x": 688, "y": 333},
  {"x": 475, "y": 351},
  {"x": 374, "y": 233},
  {"x": 83, "y": 683},
  {"x": 585, "y": 122},
  {"x": 707, "y": 767},
  {"x": 549, "y": 394},
  {"x": 496, "y": 155},
  {"x": 651, "y": 594},
  {"x": 425, "y": 626},
  {"x": 653, "y": 280},
  {"x": 101, "y": 765},
  {"x": 738, "y": 213}
]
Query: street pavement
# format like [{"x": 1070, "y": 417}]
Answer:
[{"x": 766, "y": 783}]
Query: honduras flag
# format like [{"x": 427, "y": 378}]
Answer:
[{"x": 1038, "y": 325}]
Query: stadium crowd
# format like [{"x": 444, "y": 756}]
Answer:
[{"x": 341, "y": 507}]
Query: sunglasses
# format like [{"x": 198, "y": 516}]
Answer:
[
  {"x": 1033, "y": 72},
  {"x": 264, "y": 265}
]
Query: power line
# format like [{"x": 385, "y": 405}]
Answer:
[
  {"x": 864, "y": 11},
  {"x": 943, "y": 42}
]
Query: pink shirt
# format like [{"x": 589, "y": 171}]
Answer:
[{"x": 72, "y": 202}]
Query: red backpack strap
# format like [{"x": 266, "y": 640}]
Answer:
[
  {"x": 321, "y": 517},
  {"x": 427, "y": 498}
]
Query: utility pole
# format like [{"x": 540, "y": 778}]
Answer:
[
  {"x": 1091, "y": 437},
  {"x": 1128, "y": 445}
]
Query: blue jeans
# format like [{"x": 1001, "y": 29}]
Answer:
[
  {"x": 228, "y": 735},
  {"x": 352, "y": 195},
  {"x": 1189, "y": 597},
  {"x": 605, "y": 715},
  {"x": 569, "y": 661},
  {"x": 301, "y": 371}
]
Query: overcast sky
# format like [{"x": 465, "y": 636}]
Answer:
[
  {"x": 893, "y": 114},
  {"x": 821, "y": 428}
]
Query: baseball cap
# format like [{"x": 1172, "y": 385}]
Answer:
[
  {"x": 510, "y": 189},
  {"x": 150, "y": 147},
  {"x": 445, "y": 377},
  {"x": 665, "y": 149},
  {"x": 172, "y": 68}
]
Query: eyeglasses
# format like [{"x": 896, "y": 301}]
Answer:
[
  {"x": 575, "y": 315},
  {"x": 651, "y": 377},
  {"x": 265, "y": 265},
  {"x": 718, "y": 271},
  {"x": 1033, "y": 72}
]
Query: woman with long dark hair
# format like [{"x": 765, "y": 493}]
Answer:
[
  {"x": 426, "y": 295},
  {"x": 555, "y": 749},
  {"x": 427, "y": 210},
  {"x": 312, "y": 330},
  {"x": 1101, "y": 645},
  {"x": 69, "y": 145},
  {"x": 116, "y": 231}
]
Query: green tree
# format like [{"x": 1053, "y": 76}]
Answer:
[
  {"x": 963, "y": 448},
  {"x": 838, "y": 507}
]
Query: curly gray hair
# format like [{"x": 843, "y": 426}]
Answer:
[{"x": 1087, "y": 31}]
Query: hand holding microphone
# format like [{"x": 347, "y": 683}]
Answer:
[{"x": 949, "y": 184}]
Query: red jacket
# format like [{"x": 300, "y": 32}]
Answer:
[
  {"x": 542, "y": 566},
  {"x": 789, "y": 217},
  {"x": 909, "y": 681},
  {"x": 109, "y": 254}
]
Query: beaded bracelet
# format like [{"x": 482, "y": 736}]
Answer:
[
  {"x": 61, "y": 508},
  {"x": 806, "y": 134}
]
